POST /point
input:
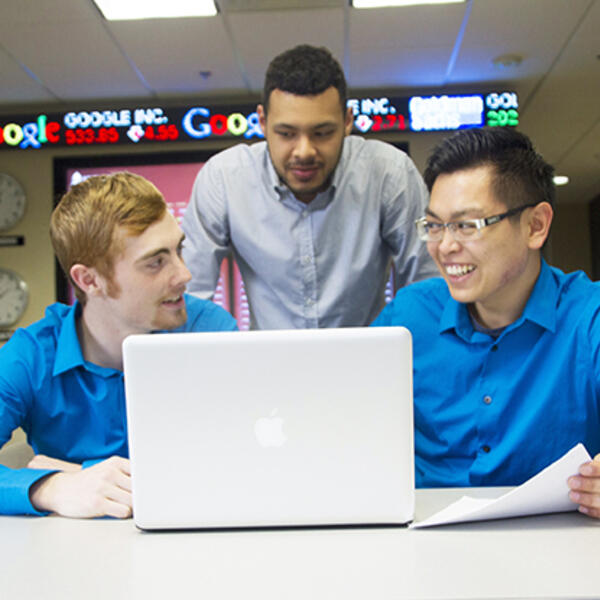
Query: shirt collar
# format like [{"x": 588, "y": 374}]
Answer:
[
  {"x": 340, "y": 168},
  {"x": 68, "y": 350},
  {"x": 541, "y": 306},
  {"x": 272, "y": 176},
  {"x": 540, "y": 309}
]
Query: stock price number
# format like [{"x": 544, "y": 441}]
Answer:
[
  {"x": 388, "y": 122},
  {"x": 161, "y": 133},
  {"x": 102, "y": 135},
  {"x": 502, "y": 118}
]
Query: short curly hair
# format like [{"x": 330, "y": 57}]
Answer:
[{"x": 305, "y": 71}]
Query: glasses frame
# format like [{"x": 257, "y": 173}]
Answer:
[{"x": 479, "y": 224}]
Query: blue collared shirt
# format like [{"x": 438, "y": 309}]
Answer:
[
  {"x": 69, "y": 408},
  {"x": 322, "y": 264},
  {"x": 496, "y": 411}
]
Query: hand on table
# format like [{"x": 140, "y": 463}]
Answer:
[
  {"x": 101, "y": 490},
  {"x": 585, "y": 488}
]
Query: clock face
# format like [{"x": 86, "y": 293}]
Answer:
[
  {"x": 12, "y": 201},
  {"x": 13, "y": 297}
]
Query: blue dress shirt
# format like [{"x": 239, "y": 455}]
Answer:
[
  {"x": 496, "y": 411},
  {"x": 69, "y": 408},
  {"x": 321, "y": 264}
]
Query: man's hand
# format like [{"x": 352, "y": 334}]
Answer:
[
  {"x": 585, "y": 488},
  {"x": 41, "y": 461},
  {"x": 101, "y": 490}
]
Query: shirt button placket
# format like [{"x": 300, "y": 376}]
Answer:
[
  {"x": 488, "y": 415},
  {"x": 309, "y": 276}
]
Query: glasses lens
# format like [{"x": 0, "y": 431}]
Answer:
[
  {"x": 462, "y": 231},
  {"x": 435, "y": 231},
  {"x": 422, "y": 229},
  {"x": 465, "y": 230},
  {"x": 428, "y": 232}
]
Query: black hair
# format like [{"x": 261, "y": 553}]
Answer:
[
  {"x": 305, "y": 71},
  {"x": 521, "y": 175}
]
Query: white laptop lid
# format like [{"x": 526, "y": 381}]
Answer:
[{"x": 271, "y": 428}]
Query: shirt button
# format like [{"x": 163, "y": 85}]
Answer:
[
  {"x": 306, "y": 260},
  {"x": 304, "y": 214},
  {"x": 487, "y": 399},
  {"x": 486, "y": 449},
  {"x": 494, "y": 348},
  {"x": 309, "y": 302}
]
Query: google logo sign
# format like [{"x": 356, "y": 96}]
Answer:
[
  {"x": 30, "y": 135},
  {"x": 198, "y": 123}
]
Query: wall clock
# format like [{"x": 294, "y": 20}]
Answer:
[
  {"x": 12, "y": 201},
  {"x": 14, "y": 297}
]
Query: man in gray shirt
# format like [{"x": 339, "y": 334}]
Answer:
[{"x": 314, "y": 216}]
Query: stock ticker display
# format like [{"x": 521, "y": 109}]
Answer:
[{"x": 164, "y": 125}]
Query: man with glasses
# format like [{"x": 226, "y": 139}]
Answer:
[{"x": 506, "y": 348}]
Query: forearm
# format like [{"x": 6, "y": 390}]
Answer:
[
  {"x": 44, "y": 494},
  {"x": 15, "y": 485}
]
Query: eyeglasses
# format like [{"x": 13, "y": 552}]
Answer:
[{"x": 462, "y": 231}]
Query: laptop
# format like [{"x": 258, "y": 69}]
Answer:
[{"x": 271, "y": 428}]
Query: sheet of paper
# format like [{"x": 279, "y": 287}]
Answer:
[{"x": 545, "y": 492}]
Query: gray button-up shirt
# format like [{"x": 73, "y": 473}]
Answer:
[{"x": 322, "y": 264}]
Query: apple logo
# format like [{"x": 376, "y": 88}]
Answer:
[{"x": 269, "y": 431}]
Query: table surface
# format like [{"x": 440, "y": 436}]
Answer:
[{"x": 546, "y": 556}]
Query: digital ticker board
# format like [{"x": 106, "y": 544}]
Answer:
[{"x": 163, "y": 125}]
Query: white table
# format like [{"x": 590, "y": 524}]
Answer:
[{"x": 551, "y": 556}]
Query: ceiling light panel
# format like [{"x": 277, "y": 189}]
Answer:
[
  {"x": 387, "y": 3},
  {"x": 125, "y": 10}
]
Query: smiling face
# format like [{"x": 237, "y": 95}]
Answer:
[
  {"x": 149, "y": 278},
  {"x": 495, "y": 273},
  {"x": 305, "y": 135}
]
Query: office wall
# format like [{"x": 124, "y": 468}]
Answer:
[
  {"x": 570, "y": 248},
  {"x": 571, "y": 238}
]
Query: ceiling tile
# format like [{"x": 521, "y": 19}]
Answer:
[
  {"x": 54, "y": 12},
  {"x": 399, "y": 67},
  {"x": 179, "y": 50},
  {"x": 406, "y": 27},
  {"x": 262, "y": 36},
  {"x": 76, "y": 60},
  {"x": 22, "y": 87},
  {"x": 540, "y": 23}
]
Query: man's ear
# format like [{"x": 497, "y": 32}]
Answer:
[
  {"x": 262, "y": 118},
  {"x": 87, "y": 279},
  {"x": 349, "y": 121},
  {"x": 538, "y": 224}
]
